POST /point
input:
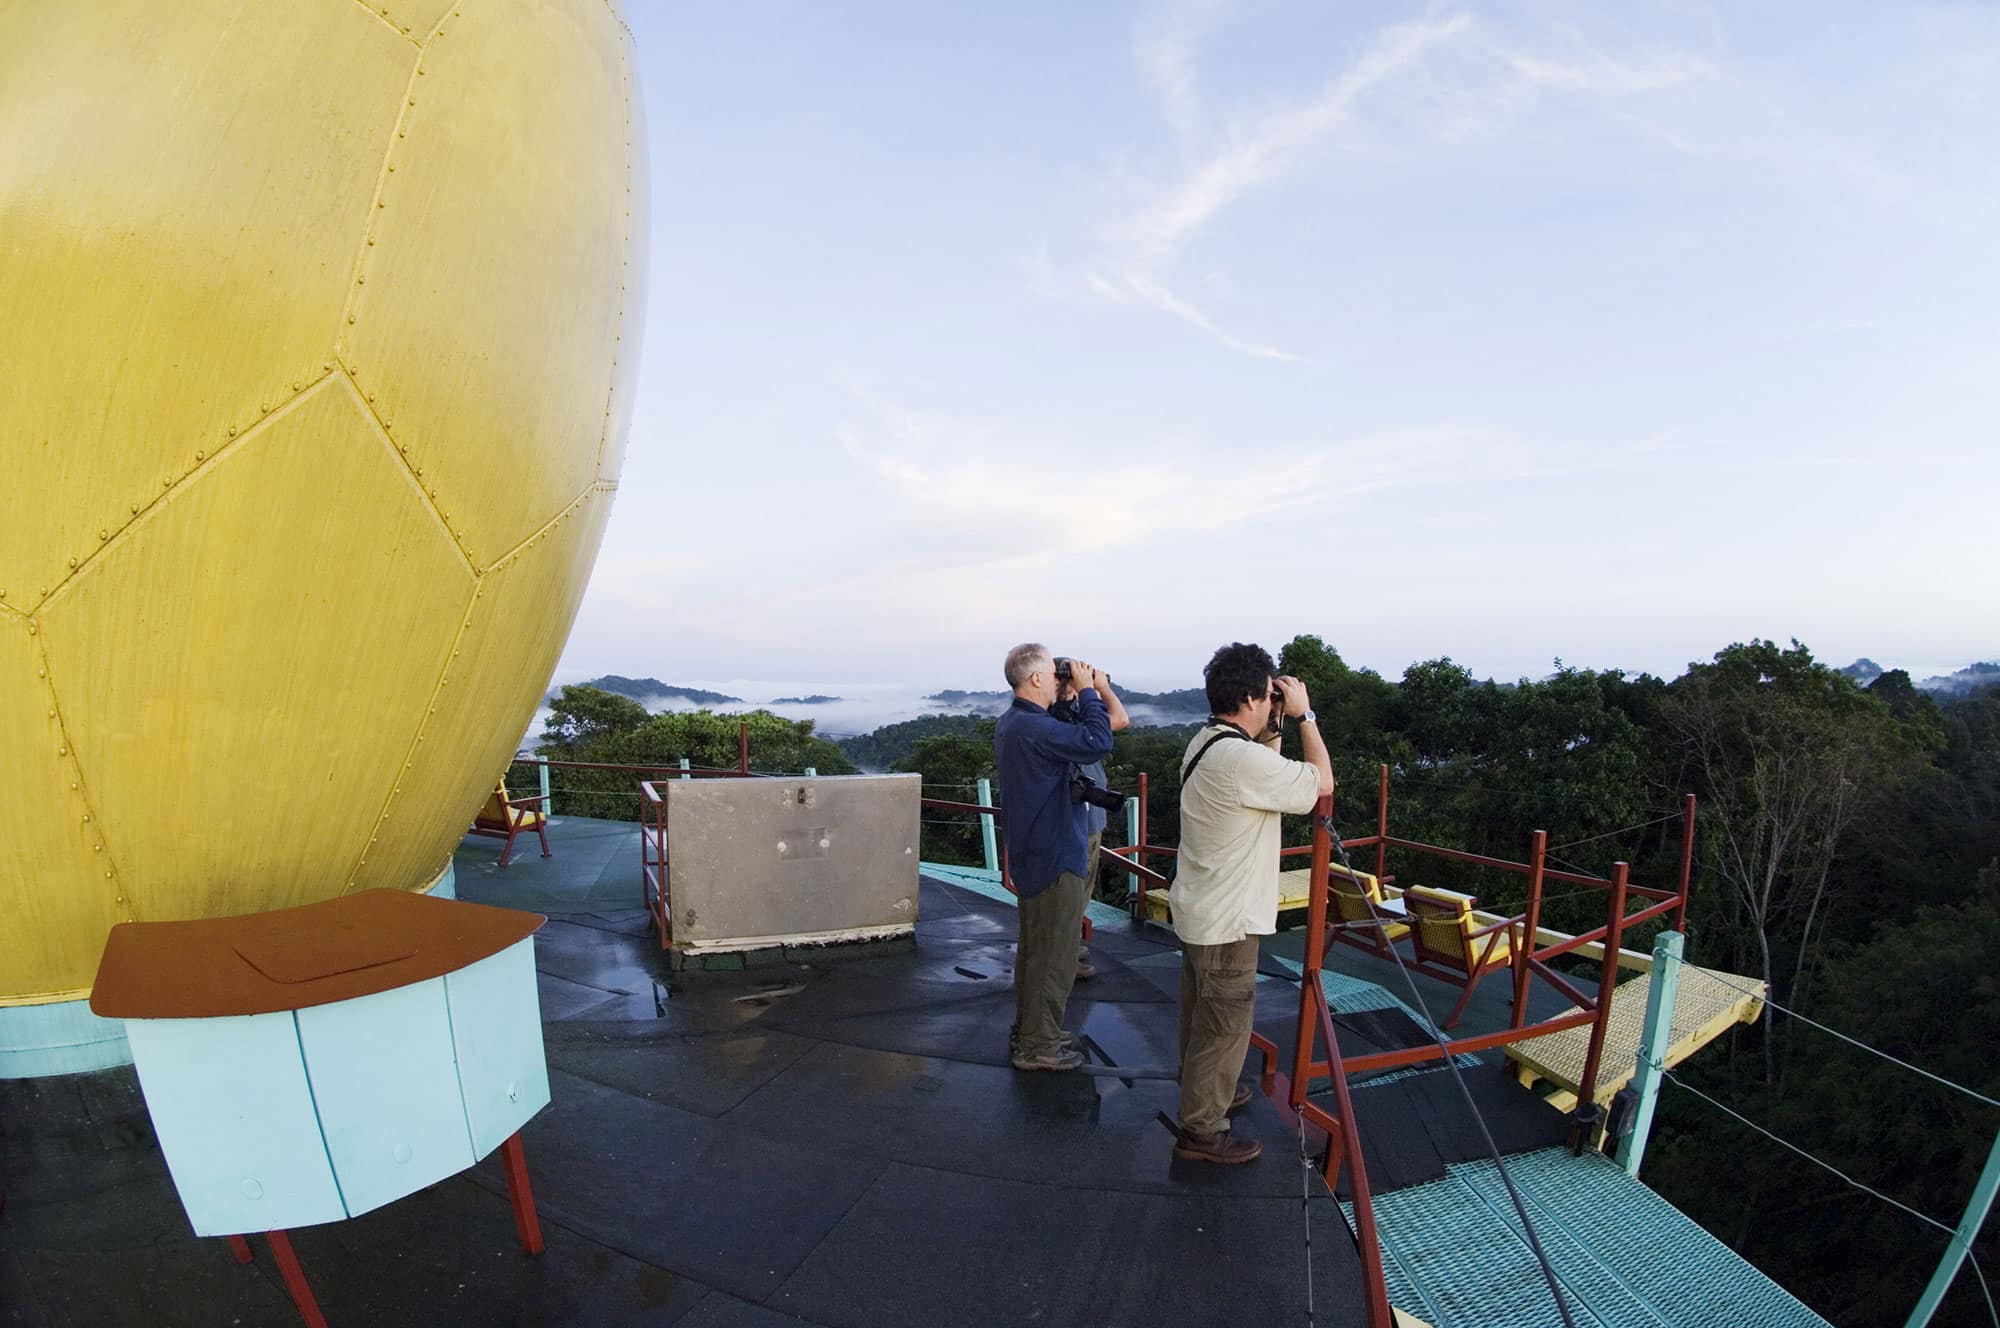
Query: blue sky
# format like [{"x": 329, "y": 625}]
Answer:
[{"x": 1614, "y": 333}]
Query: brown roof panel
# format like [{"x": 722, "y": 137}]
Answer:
[{"x": 291, "y": 958}]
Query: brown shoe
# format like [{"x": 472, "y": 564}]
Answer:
[
  {"x": 1219, "y": 1147},
  {"x": 1244, "y": 1092},
  {"x": 1056, "y": 1058}
]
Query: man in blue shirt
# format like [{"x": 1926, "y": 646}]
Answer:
[{"x": 1048, "y": 837}]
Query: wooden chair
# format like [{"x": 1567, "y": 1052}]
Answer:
[
  {"x": 503, "y": 818},
  {"x": 1351, "y": 897},
  {"x": 1451, "y": 947}
]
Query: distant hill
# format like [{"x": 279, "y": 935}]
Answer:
[
  {"x": 814, "y": 699},
  {"x": 1863, "y": 671},
  {"x": 984, "y": 703},
  {"x": 1971, "y": 678},
  {"x": 1187, "y": 702},
  {"x": 652, "y": 689}
]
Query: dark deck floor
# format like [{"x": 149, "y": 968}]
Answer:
[{"x": 837, "y": 1141}]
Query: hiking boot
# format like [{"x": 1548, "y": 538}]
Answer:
[
  {"x": 1244, "y": 1092},
  {"x": 1056, "y": 1058},
  {"x": 1220, "y": 1147},
  {"x": 1085, "y": 970}
]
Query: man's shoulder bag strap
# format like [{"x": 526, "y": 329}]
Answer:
[{"x": 1231, "y": 732}]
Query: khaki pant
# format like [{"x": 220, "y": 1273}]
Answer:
[
  {"x": 1218, "y": 1006},
  {"x": 1089, "y": 892},
  {"x": 1045, "y": 964}
]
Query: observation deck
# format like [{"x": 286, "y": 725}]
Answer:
[{"x": 835, "y": 1138}]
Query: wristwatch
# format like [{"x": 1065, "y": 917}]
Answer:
[{"x": 1310, "y": 717}]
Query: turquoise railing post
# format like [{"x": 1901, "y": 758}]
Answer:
[
  {"x": 1961, "y": 1239},
  {"x": 1654, "y": 1040},
  {"x": 544, "y": 768},
  {"x": 987, "y": 839},
  {"x": 684, "y": 769},
  {"x": 812, "y": 772},
  {"x": 1131, "y": 822}
]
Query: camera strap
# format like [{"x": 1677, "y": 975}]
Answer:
[{"x": 1229, "y": 731}]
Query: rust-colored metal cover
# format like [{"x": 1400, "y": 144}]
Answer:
[{"x": 292, "y": 958}]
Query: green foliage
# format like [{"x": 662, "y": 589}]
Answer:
[
  {"x": 887, "y": 747},
  {"x": 952, "y": 762},
  {"x": 599, "y": 728}
]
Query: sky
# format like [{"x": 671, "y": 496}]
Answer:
[{"x": 1612, "y": 334}]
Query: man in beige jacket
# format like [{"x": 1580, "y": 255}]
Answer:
[{"x": 1234, "y": 786}]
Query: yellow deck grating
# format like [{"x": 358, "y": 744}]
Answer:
[{"x": 1707, "y": 1004}]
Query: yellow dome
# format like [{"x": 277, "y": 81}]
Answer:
[{"x": 315, "y": 375}]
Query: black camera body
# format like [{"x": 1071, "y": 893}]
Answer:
[{"x": 1082, "y": 789}]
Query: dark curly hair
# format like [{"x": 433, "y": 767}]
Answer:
[{"x": 1238, "y": 673}]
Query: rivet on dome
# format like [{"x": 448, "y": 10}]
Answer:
[
  {"x": 232, "y": 431},
  {"x": 72, "y": 562},
  {"x": 200, "y": 456}
]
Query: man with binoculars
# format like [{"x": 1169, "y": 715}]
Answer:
[
  {"x": 1225, "y": 892},
  {"x": 1048, "y": 840}
]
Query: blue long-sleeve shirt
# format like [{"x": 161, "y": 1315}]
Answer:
[{"x": 1035, "y": 754}]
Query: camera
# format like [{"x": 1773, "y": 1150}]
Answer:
[{"x": 1083, "y": 789}]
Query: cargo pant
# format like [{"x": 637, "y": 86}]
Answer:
[
  {"x": 1089, "y": 891},
  {"x": 1218, "y": 1006},
  {"x": 1045, "y": 964}
]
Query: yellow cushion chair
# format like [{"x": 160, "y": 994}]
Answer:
[
  {"x": 1451, "y": 946},
  {"x": 1357, "y": 903},
  {"x": 503, "y": 817}
]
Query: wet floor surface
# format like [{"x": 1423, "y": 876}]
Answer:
[{"x": 836, "y": 1142}]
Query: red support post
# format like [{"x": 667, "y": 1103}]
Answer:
[
  {"x": 1607, "y": 983},
  {"x": 1302, "y": 1043},
  {"x": 241, "y": 1249},
  {"x": 1143, "y": 828},
  {"x": 527, "y": 1224},
  {"x": 743, "y": 747},
  {"x": 1538, "y": 852},
  {"x": 1382, "y": 825},
  {"x": 1687, "y": 864},
  {"x": 295, "y": 1279}
]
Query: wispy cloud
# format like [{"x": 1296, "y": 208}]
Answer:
[
  {"x": 989, "y": 495},
  {"x": 1273, "y": 144}
]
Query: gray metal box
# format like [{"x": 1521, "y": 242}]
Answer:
[{"x": 753, "y": 863}]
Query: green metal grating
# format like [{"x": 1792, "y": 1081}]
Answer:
[
  {"x": 1455, "y": 1256},
  {"x": 983, "y": 882}
]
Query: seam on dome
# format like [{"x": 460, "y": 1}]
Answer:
[
  {"x": 382, "y": 17},
  {"x": 423, "y": 725},
  {"x": 205, "y": 461},
  {"x": 408, "y": 470}
]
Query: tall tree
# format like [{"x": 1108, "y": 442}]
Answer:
[{"x": 1786, "y": 755}]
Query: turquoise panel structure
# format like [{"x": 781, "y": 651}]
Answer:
[
  {"x": 383, "y": 1075},
  {"x": 63, "y": 1037},
  {"x": 496, "y": 1025},
  {"x": 235, "y": 1118}
]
